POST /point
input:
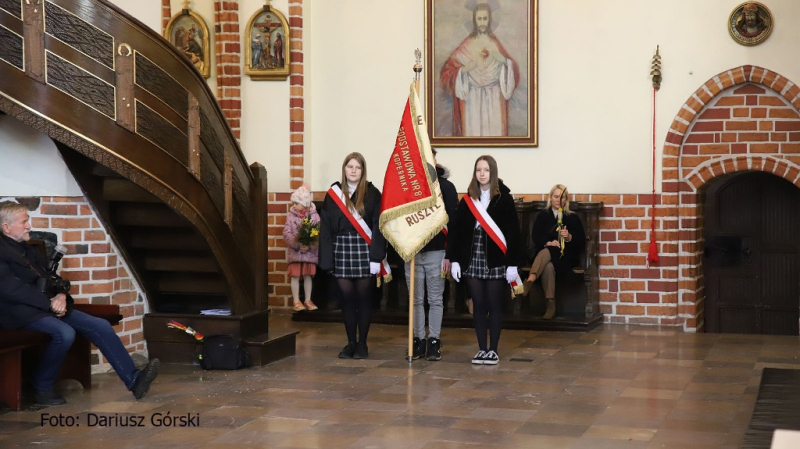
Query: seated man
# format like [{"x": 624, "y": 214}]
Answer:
[{"x": 24, "y": 306}]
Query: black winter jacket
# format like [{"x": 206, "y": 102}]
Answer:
[
  {"x": 21, "y": 303},
  {"x": 544, "y": 230},
  {"x": 450, "y": 198},
  {"x": 333, "y": 223},
  {"x": 502, "y": 210}
]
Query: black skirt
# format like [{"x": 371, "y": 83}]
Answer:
[
  {"x": 350, "y": 256},
  {"x": 478, "y": 268}
]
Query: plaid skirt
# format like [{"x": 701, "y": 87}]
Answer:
[
  {"x": 478, "y": 268},
  {"x": 350, "y": 256}
]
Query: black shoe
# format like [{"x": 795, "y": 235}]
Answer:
[
  {"x": 491, "y": 358},
  {"x": 419, "y": 348},
  {"x": 48, "y": 397},
  {"x": 348, "y": 351},
  {"x": 479, "y": 357},
  {"x": 361, "y": 351},
  {"x": 145, "y": 378},
  {"x": 434, "y": 350}
]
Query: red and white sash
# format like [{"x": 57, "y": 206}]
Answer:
[
  {"x": 494, "y": 233},
  {"x": 362, "y": 228}
]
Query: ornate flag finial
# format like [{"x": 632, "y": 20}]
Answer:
[{"x": 655, "y": 71}]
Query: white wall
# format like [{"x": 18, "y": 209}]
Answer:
[
  {"x": 594, "y": 86},
  {"x": 31, "y": 164},
  {"x": 265, "y": 110}
]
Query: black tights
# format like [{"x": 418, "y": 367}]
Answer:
[
  {"x": 487, "y": 298},
  {"x": 356, "y": 306}
]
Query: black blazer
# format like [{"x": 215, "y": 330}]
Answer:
[
  {"x": 544, "y": 230},
  {"x": 21, "y": 303},
  {"x": 333, "y": 222},
  {"x": 502, "y": 210}
]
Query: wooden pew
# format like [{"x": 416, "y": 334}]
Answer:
[{"x": 14, "y": 344}]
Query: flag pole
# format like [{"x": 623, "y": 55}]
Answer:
[{"x": 417, "y": 71}]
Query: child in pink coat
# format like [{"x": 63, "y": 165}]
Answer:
[{"x": 302, "y": 257}]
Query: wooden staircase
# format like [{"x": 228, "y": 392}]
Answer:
[{"x": 144, "y": 137}]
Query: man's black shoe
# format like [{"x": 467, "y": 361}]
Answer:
[
  {"x": 145, "y": 378},
  {"x": 419, "y": 348},
  {"x": 434, "y": 349},
  {"x": 348, "y": 351},
  {"x": 361, "y": 351},
  {"x": 48, "y": 397}
]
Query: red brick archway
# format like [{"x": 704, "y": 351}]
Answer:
[{"x": 743, "y": 119}]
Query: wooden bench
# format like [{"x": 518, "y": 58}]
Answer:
[{"x": 17, "y": 346}]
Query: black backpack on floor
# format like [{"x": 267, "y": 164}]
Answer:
[{"x": 223, "y": 352}]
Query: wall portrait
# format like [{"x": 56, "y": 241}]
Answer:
[
  {"x": 750, "y": 23},
  {"x": 481, "y": 72},
  {"x": 188, "y": 32},
  {"x": 267, "y": 54}
]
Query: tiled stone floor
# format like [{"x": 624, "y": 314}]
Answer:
[{"x": 614, "y": 387}]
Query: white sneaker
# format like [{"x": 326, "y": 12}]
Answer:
[
  {"x": 479, "y": 358},
  {"x": 491, "y": 358}
]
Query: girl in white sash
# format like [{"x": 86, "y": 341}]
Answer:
[
  {"x": 485, "y": 243},
  {"x": 350, "y": 216}
]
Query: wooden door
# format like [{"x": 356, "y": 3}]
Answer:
[{"x": 752, "y": 255}]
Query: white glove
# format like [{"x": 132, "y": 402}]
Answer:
[
  {"x": 511, "y": 274},
  {"x": 455, "y": 271},
  {"x": 374, "y": 267}
]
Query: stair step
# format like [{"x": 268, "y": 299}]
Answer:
[
  {"x": 175, "y": 239},
  {"x": 193, "y": 263},
  {"x": 271, "y": 346},
  {"x": 264, "y": 345},
  {"x": 170, "y": 282},
  {"x": 187, "y": 303},
  {"x": 120, "y": 189},
  {"x": 146, "y": 215}
]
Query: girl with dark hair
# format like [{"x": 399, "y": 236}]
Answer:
[
  {"x": 352, "y": 248},
  {"x": 485, "y": 243}
]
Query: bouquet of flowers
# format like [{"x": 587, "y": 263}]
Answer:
[{"x": 307, "y": 232}]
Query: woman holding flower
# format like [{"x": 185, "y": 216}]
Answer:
[
  {"x": 301, "y": 233},
  {"x": 558, "y": 240}
]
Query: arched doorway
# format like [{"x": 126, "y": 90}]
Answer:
[{"x": 752, "y": 255}]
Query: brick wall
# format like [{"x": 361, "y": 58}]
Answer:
[
  {"x": 296, "y": 101},
  {"x": 743, "y": 119},
  {"x": 93, "y": 265},
  {"x": 229, "y": 61},
  {"x": 166, "y": 14}
]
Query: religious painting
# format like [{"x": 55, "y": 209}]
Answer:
[
  {"x": 267, "y": 54},
  {"x": 481, "y": 72},
  {"x": 750, "y": 23},
  {"x": 188, "y": 32}
]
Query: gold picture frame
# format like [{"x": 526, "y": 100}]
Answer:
[
  {"x": 266, "y": 43},
  {"x": 472, "y": 68},
  {"x": 188, "y": 32},
  {"x": 750, "y": 23}
]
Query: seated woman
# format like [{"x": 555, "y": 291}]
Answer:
[{"x": 558, "y": 239}]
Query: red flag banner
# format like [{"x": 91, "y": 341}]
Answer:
[{"x": 412, "y": 211}]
